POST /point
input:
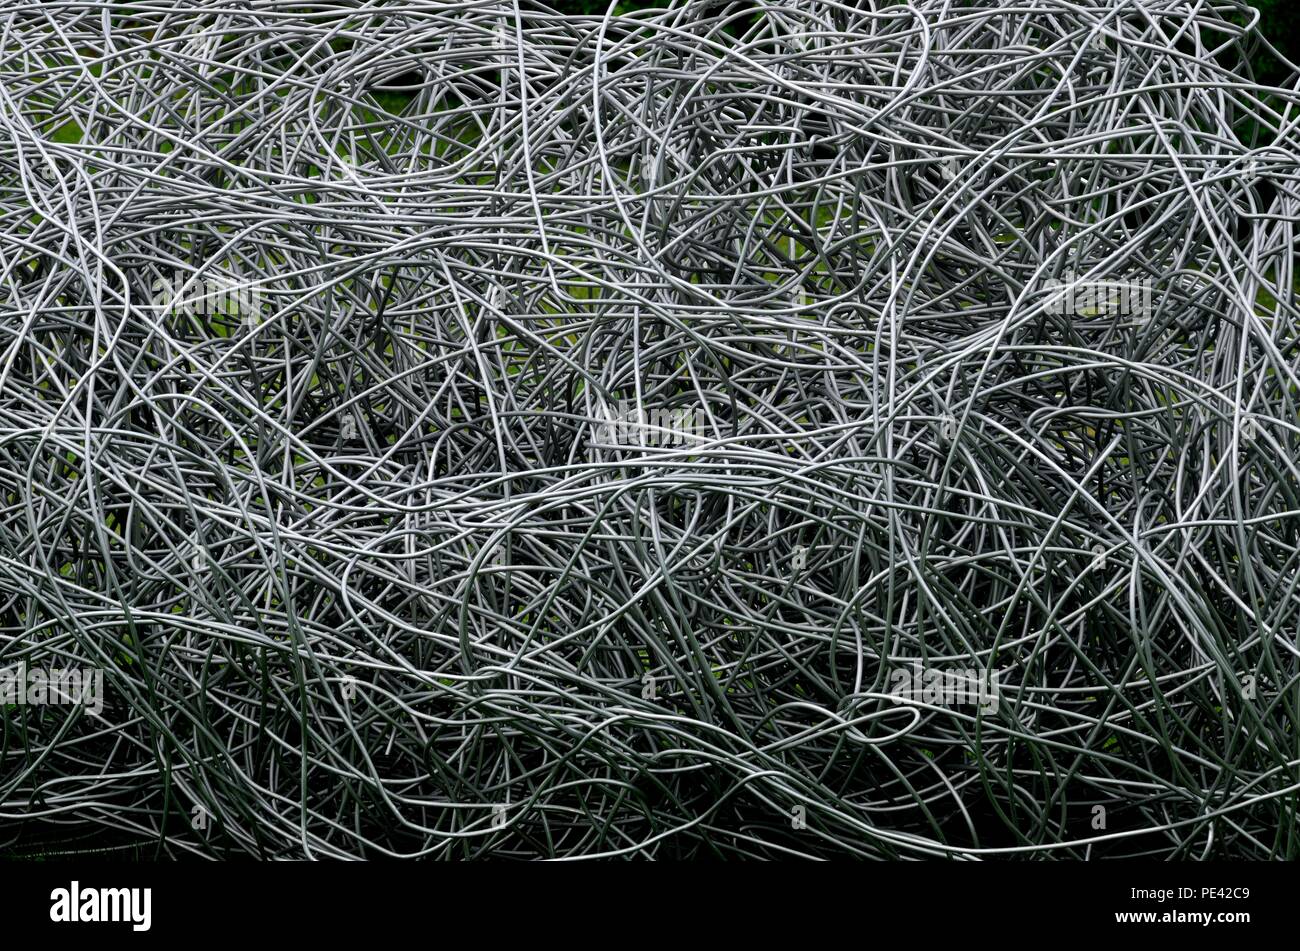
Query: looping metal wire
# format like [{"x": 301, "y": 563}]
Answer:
[{"x": 461, "y": 429}]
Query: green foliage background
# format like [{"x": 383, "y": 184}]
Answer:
[{"x": 1279, "y": 21}]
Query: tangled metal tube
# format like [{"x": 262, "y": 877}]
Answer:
[{"x": 459, "y": 429}]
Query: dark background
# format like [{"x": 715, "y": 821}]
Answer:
[{"x": 1279, "y": 21}]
